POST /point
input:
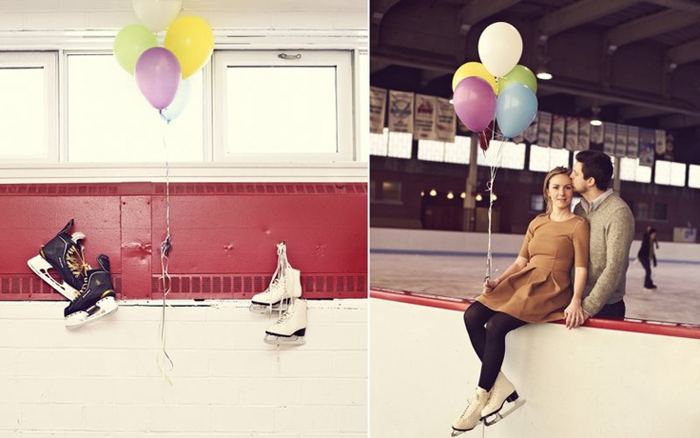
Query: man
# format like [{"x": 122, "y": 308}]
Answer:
[
  {"x": 647, "y": 256},
  {"x": 612, "y": 230}
]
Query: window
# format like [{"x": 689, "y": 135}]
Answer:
[
  {"x": 669, "y": 173},
  {"x": 430, "y": 150},
  {"x": 544, "y": 159},
  {"x": 694, "y": 176},
  {"x": 642, "y": 211},
  {"x": 363, "y": 125},
  {"x": 29, "y": 110},
  {"x": 660, "y": 211},
  {"x": 630, "y": 170},
  {"x": 110, "y": 121},
  {"x": 391, "y": 192},
  {"x": 537, "y": 204},
  {"x": 503, "y": 154},
  {"x": 283, "y": 106},
  {"x": 379, "y": 143},
  {"x": 400, "y": 144},
  {"x": 459, "y": 151}
]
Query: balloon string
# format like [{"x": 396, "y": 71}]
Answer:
[
  {"x": 493, "y": 167},
  {"x": 165, "y": 363}
]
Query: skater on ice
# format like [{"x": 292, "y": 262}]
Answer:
[
  {"x": 647, "y": 256},
  {"x": 536, "y": 288}
]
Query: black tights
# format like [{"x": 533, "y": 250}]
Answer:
[{"x": 489, "y": 342}]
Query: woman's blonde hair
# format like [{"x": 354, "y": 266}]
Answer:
[{"x": 556, "y": 171}]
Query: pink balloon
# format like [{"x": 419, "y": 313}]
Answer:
[
  {"x": 158, "y": 75},
  {"x": 475, "y": 103}
]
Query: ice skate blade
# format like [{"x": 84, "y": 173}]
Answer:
[
  {"x": 41, "y": 267},
  {"x": 101, "y": 309},
  {"x": 268, "y": 308},
  {"x": 284, "y": 340},
  {"x": 497, "y": 416}
]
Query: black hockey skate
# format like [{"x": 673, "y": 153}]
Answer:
[
  {"x": 97, "y": 298},
  {"x": 64, "y": 253}
]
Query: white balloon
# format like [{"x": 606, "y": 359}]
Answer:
[
  {"x": 500, "y": 48},
  {"x": 157, "y": 14}
]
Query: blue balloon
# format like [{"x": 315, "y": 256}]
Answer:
[
  {"x": 177, "y": 106},
  {"x": 516, "y": 108}
]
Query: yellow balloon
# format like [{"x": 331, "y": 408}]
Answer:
[
  {"x": 473, "y": 69},
  {"x": 191, "y": 40}
]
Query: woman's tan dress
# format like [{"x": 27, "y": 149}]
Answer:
[{"x": 542, "y": 289}]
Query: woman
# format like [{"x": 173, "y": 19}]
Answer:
[{"x": 534, "y": 289}]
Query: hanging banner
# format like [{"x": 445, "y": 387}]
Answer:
[
  {"x": 660, "y": 141},
  {"x": 632, "y": 141},
  {"x": 621, "y": 140},
  {"x": 647, "y": 140},
  {"x": 668, "y": 155},
  {"x": 572, "y": 132},
  {"x": 400, "y": 111},
  {"x": 558, "y": 127},
  {"x": 584, "y": 134},
  {"x": 544, "y": 129},
  {"x": 446, "y": 119},
  {"x": 424, "y": 120},
  {"x": 377, "y": 109},
  {"x": 609, "y": 130},
  {"x": 530, "y": 134}
]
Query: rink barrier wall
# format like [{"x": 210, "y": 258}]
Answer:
[
  {"x": 223, "y": 236},
  {"x": 458, "y": 243},
  {"x": 596, "y": 380},
  {"x": 662, "y": 328},
  {"x": 103, "y": 380}
]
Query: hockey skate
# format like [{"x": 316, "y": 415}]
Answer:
[
  {"x": 97, "y": 298},
  {"x": 472, "y": 413},
  {"x": 284, "y": 286},
  {"x": 503, "y": 391},
  {"x": 290, "y": 328},
  {"x": 64, "y": 253}
]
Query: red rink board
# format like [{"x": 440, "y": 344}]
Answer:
[{"x": 223, "y": 236}]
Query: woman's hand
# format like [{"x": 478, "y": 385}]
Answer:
[
  {"x": 573, "y": 314},
  {"x": 490, "y": 284}
]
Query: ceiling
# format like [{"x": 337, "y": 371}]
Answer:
[{"x": 639, "y": 61}]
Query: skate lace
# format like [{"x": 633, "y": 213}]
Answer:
[
  {"x": 285, "y": 316},
  {"x": 76, "y": 262}
]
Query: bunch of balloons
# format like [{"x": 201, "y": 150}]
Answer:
[
  {"x": 496, "y": 86},
  {"x": 161, "y": 72}
]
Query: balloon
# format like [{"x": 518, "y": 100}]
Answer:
[
  {"x": 158, "y": 75},
  {"x": 473, "y": 69},
  {"x": 130, "y": 43},
  {"x": 474, "y": 102},
  {"x": 157, "y": 14},
  {"x": 516, "y": 109},
  {"x": 192, "y": 41},
  {"x": 179, "y": 103},
  {"x": 520, "y": 74},
  {"x": 500, "y": 47}
]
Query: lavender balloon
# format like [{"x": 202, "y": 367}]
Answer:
[
  {"x": 475, "y": 103},
  {"x": 158, "y": 76}
]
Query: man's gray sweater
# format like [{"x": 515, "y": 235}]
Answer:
[{"x": 612, "y": 231}]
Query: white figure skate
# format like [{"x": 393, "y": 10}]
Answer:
[
  {"x": 284, "y": 286},
  {"x": 64, "y": 253},
  {"x": 290, "y": 328},
  {"x": 471, "y": 416},
  {"x": 97, "y": 298},
  {"x": 503, "y": 391}
]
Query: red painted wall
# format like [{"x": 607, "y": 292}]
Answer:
[{"x": 223, "y": 236}]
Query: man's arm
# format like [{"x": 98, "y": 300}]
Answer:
[{"x": 617, "y": 248}]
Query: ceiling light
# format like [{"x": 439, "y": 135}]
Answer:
[
  {"x": 479, "y": 197},
  {"x": 422, "y": 193},
  {"x": 433, "y": 192},
  {"x": 450, "y": 195},
  {"x": 543, "y": 72},
  {"x": 463, "y": 195}
]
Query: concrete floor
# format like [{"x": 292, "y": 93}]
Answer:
[{"x": 676, "y": 300}]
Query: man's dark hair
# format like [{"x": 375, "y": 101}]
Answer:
[{"x": 597, "y": 165}]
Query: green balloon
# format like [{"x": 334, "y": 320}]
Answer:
[
  {"x": 520, "y": 74},
  {"x": 130, "y": 44}
]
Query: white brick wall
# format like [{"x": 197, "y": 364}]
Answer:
[{"x": 103, "y": 380}]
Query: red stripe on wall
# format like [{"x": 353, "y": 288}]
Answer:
[
  {"x": 223, "y": 236},
  {"x": 628, "y": 325}
]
